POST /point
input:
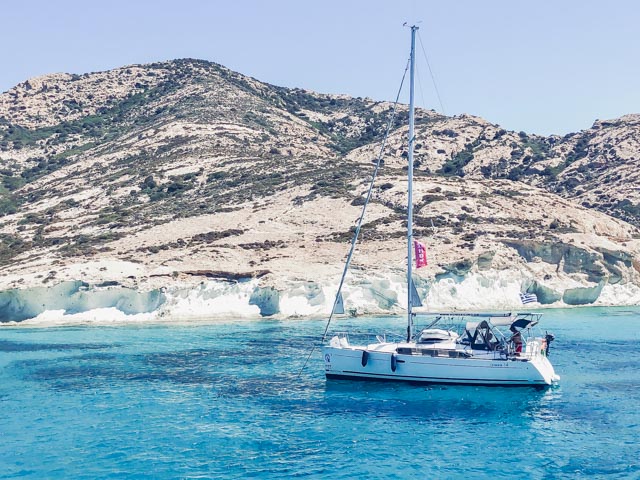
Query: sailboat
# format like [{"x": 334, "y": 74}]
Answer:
[{"x": 453, "y": 348}]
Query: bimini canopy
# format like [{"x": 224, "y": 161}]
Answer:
[
  {"x": 496, "y": 319},
  {"x": 521, "y": 323}
]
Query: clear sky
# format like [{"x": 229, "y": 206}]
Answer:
[{"x": 545, "y": 66}]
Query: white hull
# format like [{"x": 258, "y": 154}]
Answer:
[{"x": 485, "y": 368}]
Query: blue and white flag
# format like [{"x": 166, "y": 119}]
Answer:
[{"x": 528, "y": 298}]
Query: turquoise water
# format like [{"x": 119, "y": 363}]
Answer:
[{"x": 224, "y": 401}]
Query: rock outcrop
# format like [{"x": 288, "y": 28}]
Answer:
[{"x": 153, "y": 175}]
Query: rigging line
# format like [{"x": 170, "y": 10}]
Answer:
[
  {"x": 366, "y": 202},
  {"x": 424, "y": 104},
  {"x": 364, "y": 209},
  {"x": 433, "y": 78}
]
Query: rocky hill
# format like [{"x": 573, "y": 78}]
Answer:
[{"x": 156, "y": 175}]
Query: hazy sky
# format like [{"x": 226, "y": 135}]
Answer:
[{"x": 546, "y": 66}]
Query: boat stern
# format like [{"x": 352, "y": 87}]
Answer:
[{"x": 546, "y": 370}]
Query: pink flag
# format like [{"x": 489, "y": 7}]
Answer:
[{"x": 421, "y": 254}]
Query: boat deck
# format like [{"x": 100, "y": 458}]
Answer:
[{"x": 445, "y": 349}]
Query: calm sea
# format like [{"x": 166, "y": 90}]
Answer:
[{"x": 224, "y": 401}]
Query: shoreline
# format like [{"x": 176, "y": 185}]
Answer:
[
  {"x": 154, "y": 321},
  {"x": 380, "y": 293}
]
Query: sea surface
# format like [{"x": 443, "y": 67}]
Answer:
[{"x": 224, "y": 400}]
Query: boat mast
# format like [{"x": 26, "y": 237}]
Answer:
[{"x": 410, "y": 187}]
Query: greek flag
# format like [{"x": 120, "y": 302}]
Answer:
[{"x": 528, "y": 298}]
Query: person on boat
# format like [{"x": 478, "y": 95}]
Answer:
[{"x": 516, "y": 338}]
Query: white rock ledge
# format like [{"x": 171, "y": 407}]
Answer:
[{"x": 76, "y": 302}]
